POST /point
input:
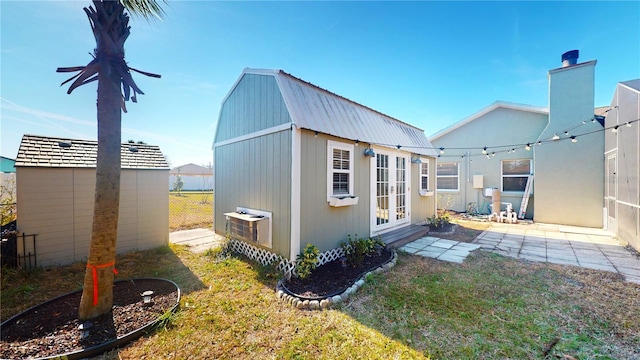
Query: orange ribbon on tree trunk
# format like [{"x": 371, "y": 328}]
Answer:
[{"x": 94, "y": 269}]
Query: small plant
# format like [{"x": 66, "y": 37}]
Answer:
[
  {"x": 356, "y": 249},
  {"x": 307, "y": 261},
  {"x": 439, "y": 221},
  {"x": 222, "y": 251}
]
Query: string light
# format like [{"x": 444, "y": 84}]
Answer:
[{"x": 510, "y": 148}]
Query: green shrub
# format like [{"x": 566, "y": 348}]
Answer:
[
  {"x": 307, "y": 261},
  {"x": 439, "y": 221},
  {"x": 356, "y": 249}
]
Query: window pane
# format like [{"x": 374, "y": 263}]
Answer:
[
  {"x": 340, "y": 159},
  {"x": 516, "y": 167},
  {"x": 424, "y": 167},
  {"x": 447, "y": 169},
  {"x": 447, "y": 183},
  {"x": 424, "y": 183},
  {"x": 340, "y": 184},
  {"x": 514, "y": 183}
]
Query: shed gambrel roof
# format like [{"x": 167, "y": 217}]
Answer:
[
  {"x": 317, "y": 109},
  {"x": 55, "y": 152}
]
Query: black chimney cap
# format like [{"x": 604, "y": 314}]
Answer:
[{"x": 573, "y": 54}]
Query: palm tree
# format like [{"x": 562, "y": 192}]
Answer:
[{"x": 109, "y": 23}]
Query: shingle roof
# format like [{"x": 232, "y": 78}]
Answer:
[{"x": 44, "y": 151}]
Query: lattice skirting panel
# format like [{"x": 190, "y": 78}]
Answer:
[{"x": 288, "y": 267}]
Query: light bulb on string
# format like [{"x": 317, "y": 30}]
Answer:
[
  {"x": 484, "y": 150},
  {"x": 528, "y": 147},
  {"x": 441, "y": 150},
  {"x": 615, "y": 129},
  {"x": 555, "y": 137},
  {"x": 628, "y": 124},
  {"x": 573, "y": 139}
]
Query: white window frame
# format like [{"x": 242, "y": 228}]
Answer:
[
  {"x": 503, "y": 176},
  {"x": 457, "y": 177},
  {"x": 331, "y": 145},
  {"x": 425, "y": 163}
]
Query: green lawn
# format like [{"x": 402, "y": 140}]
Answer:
[
  {"x": 190, "y": 209},
  {"x": 490, "y": 307}
]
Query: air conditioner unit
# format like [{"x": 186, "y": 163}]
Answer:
[{"x": 251, "y": 226}]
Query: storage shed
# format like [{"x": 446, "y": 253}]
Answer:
[
  {"x": 297, "y": 164},
  {"x": 56, "y": 183}
]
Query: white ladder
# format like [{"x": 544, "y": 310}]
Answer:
[{"x": 525, "y": 198}]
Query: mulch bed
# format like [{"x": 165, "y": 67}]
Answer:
[
  {"x": 52, "y": 328},
  {"x": 332, "y": 278}
]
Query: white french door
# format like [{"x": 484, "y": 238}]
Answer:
[{"x": 390, "y": 190}]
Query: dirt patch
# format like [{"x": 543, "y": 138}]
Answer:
[
  {"x": 332, "y": 278},
  {"x": 467, "y": 229},
  {"x": 52, "y": 328}
]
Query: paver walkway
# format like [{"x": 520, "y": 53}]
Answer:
[
  {"x": 198, "y": 240},
  {"x": 441, "y": 249},
  {"x": 558, "y": 244}
]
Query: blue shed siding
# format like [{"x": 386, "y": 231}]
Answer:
[{"x": 255, "y": 104}]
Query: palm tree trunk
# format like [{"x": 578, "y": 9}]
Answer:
[{"x": 97, "y": 295}]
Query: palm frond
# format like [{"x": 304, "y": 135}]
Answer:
[{"x": 147, "y": 9}]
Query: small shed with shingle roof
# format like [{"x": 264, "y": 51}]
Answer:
[{"x": 55, "y": 180}]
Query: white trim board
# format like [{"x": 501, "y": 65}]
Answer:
[{"x": 271, "y": 130}]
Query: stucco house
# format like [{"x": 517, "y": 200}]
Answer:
[
  {"x": 297, "y": 164},
  {"x": 622, "y": 166},
  {"x": 55, "y": 185},
  {"x": 194, "y": 177},
  {"x": 557, "y": 149}
]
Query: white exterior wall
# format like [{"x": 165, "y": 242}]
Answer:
[
  {"x": 499, "y": 126},
  {"x": 569, "y": 177},
  {"x": 622, "y": 153},
  {"x": 57, "y": 205}
]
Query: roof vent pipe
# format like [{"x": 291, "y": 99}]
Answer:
[{"x": 570, "y": 58}]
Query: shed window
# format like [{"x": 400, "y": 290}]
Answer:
[
  {"x": 515, "y": 174},
  {"x": 424, "y": 175},
  {"x": 339, "y": 169},
  {"x": 447, "y": 176}
]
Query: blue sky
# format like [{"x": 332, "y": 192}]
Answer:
[{"x": 428, "y": 63}]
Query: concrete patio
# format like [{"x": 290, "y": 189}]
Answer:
[{"x": 559, "y": 244}]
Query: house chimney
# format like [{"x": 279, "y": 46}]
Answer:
[{"x": 570, "y": 58}]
